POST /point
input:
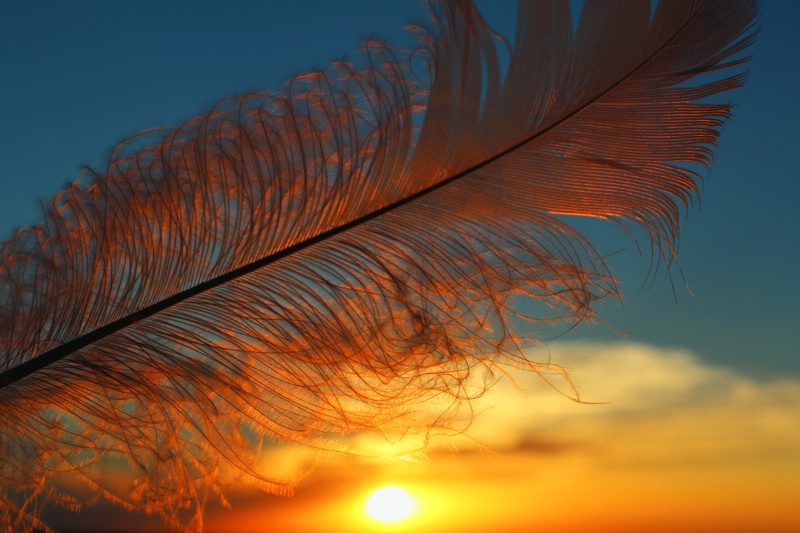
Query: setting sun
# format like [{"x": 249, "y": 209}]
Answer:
[{"x": 390, "y": 504}]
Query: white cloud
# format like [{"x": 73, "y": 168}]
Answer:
[{"x": 666, "y": 398}]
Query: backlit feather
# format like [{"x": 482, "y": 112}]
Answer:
[{"x": 349, "y": 256}]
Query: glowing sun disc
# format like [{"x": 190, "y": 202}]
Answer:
[{"x": 390, "y": 504}]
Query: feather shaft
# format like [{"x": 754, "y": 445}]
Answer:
[{"x": 40, "y": 361}]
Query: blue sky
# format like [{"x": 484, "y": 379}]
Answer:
[{"x": 80, "y": 76}]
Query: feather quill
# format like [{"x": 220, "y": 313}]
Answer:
[{"x": 350, "y": 255}]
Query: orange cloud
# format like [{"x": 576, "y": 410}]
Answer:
[
  {"x": 669, "y": 444},
  {"x": 675, "y": 445}
]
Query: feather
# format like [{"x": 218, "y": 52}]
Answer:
[{"x": 351, "y": 255}]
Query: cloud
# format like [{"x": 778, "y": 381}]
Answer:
[
  {"x": 664, "y": 442},
  {"x": 670, "y": 444},
  {"x": 636, "y": 393}
]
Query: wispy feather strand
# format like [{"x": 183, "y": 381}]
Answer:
[{"x": 348, "y": 256}]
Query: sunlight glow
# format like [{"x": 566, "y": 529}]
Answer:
[{"x": 390, "y": 504}]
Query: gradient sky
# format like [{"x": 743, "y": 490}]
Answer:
[{"x": 77, "y": 77}]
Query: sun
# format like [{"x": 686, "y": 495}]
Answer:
[{"x": 390, "y": 504}]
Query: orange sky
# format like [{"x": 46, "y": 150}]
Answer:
[
  {"x": 669, "y": 444},
  {"x": 678, "y": 446}
]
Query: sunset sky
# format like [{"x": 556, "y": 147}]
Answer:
[{"x": 692, "y": 420}]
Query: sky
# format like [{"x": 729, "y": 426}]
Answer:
[{"x": 697, "y": 420}]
